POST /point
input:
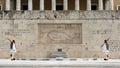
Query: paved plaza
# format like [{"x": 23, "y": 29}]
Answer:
[{"x": 60, "y": 63}]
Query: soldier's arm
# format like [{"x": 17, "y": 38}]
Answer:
[{"x": 9, "y": 40}]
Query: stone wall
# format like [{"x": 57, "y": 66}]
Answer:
[{"x": 79, "y": 33}]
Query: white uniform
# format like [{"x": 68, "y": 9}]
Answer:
[
  {"x": 13, "y": 48},
  {"x": 104, "y": 48}
]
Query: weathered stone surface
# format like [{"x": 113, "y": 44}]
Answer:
[
  {"x": 60, "y": 33},
  {"x": 59, "y": 15},
  {"x": 95, "y": 27}
]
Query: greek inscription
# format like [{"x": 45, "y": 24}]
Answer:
[
  {"x": 17, "y": 31},
  {"x": 114, "y": 45},
  {"x": 106, "y": 31}
]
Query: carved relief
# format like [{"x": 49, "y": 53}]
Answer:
[
  {"x": 59, "y": 36},
  {"x": 59, "y": 33}
]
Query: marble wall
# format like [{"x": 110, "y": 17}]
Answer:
[{"x": 78, "y": 33}]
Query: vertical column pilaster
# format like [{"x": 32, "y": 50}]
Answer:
[
  {"x": 18, "y": 5},
  {"x": 30, "y": 5},
  {"x": 41, "y": 4},
  {"x": 100, "y": 7},
  {"x": 77, "y": 5},
  {"x": 53, "y": 4},
  {"x": 65, "y": 4},
  {"x": 88, "y": 4},
  {"x": 111, "y": 4},
  {"x": 7, "y": 4}
]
